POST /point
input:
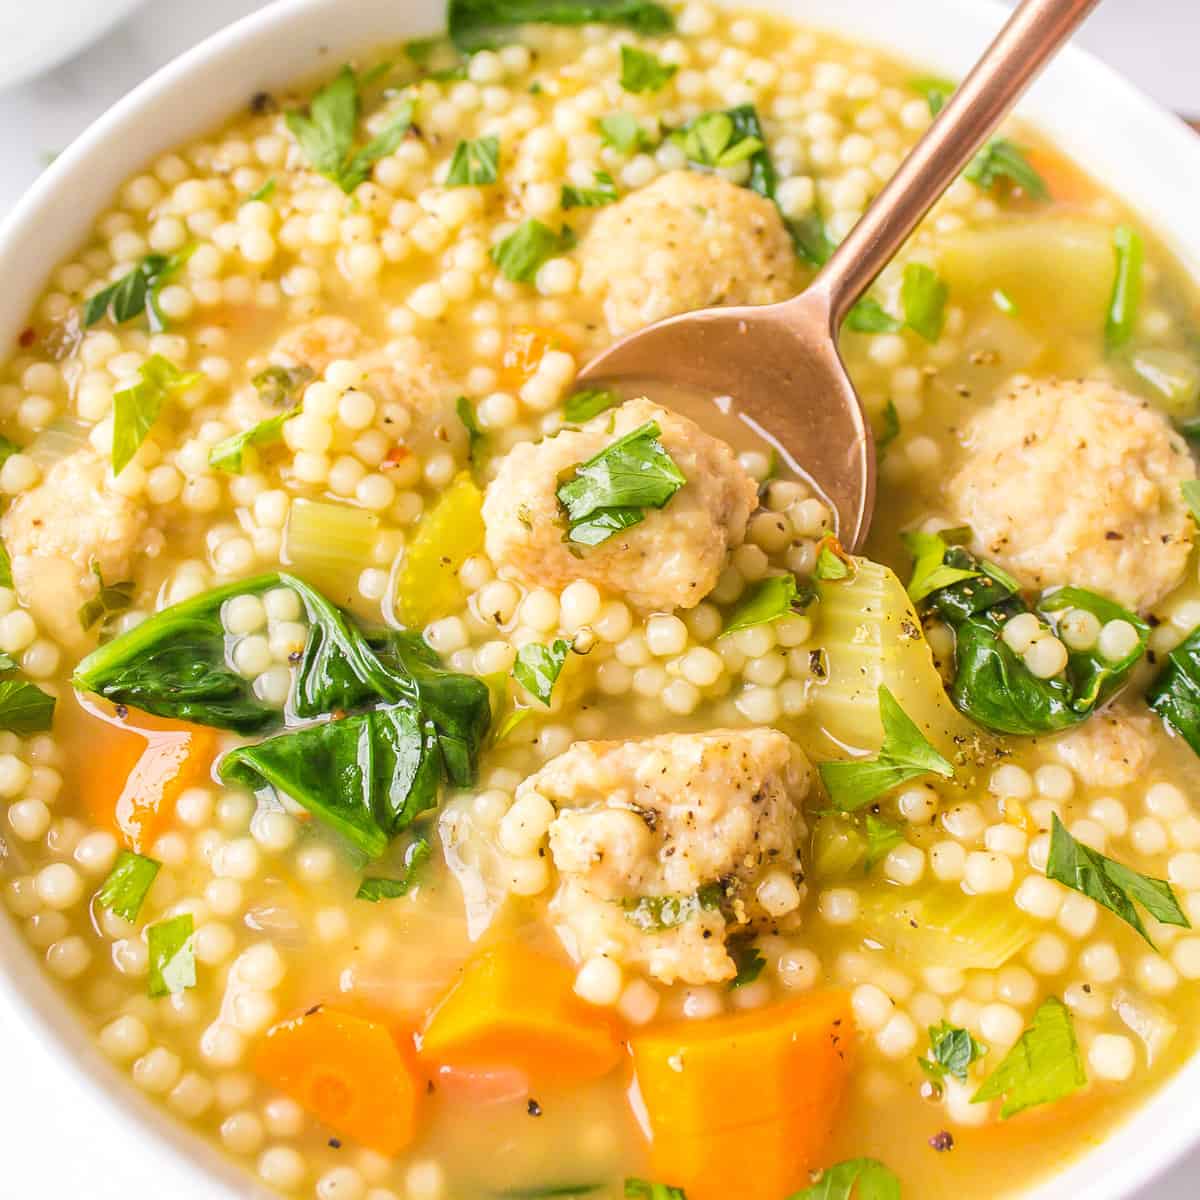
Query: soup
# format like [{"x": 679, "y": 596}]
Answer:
[{"x": 430, "y": 778}]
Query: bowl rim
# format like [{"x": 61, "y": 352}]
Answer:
[{"x": 1151, "y": 1139}]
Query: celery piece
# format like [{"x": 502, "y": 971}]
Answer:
[
  {"x": 447, "y": 535},
  {"x": 1172, "y": 375},
  {"x": 838, "y": 847},
  {"x": 939, "y": 925},
  {"x": 329, "y": 537}
]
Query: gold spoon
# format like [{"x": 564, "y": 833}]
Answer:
[{"x": 780, "y": 362}]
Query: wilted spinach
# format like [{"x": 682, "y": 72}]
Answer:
[{"x": 1175, "y": 692}]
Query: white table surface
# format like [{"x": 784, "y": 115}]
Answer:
[{"x": 56, "y": 1143}]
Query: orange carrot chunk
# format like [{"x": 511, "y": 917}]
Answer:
[
  {"x": 515, "y": 1007},
  {"x": 745, "y": 1105},
  {"x": 349, "y": 1073},
  {"x": 137, "y": 770}
]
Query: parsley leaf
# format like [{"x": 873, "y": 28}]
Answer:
[
  {"x": 653, "y": 914},
  {"x": 326, "y": 133},
  {"x": 881, "y": 837},
  {"x": 1044, "y": 1065},
  {"x": 263, "y": 193},
  {"x": 136, "y": 292},
  {"x": 905, "y": 754},
  {"x": 125, "y": 889},
  {"x": 376, "y": 888},
  {"x": 923, "y": 296},
  {"x": 934, "y": 89},
  {"x": 591, "y": 402},
  {"x": 833, "y": 563},
  {"x": 474, "y": 164},
  {"x": 538, "y": 667},
  {"x": 228, "y": 454},
  {"x": 1110, "y": 883},
  {"x": 811, "y": 240},
  {"x": 277, "y": 385},
  {"x": 110, "y": 599},
  {"x": 862, "y": 1178},
  {"x": 613, "y": 489},
  {"x": 623, "y": 133},
  {"x": 476, "y": 438},
  {"x": 643, "y": 1189},
  {"x": 748, "y": 959},
  {"x": 767, "y": 600},
  {"x": 642, "y": 72},
  {"x": 1002, "y": 159},
  {"x": 1126, "y": 296},
  {"x": 172, "y": 960},
  {"x": 951, "y": 1052},
  {"x": 24, "y": 708},
  {"x": 136, "y": 408},
  {"x": 724, "y": 139},
  {"x": 891, "y": 427},
  {"x": 930, "y": 574},
  {"x": 520, "y": 255},
  {"x": 605, "y": 192},
  {"x": 478, "y": 24}
]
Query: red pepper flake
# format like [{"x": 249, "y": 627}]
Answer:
[
  {"x": 27, "y": 338},
  {"x": 396, "y": 455}
]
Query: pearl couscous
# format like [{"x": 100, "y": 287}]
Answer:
[{"x": 429, "y": 778}]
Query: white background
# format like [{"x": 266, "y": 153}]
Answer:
[{"x": 56, "y": 1144}]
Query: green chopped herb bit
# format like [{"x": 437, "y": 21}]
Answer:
[
  {"x": 476, "y": 438},
  {"x": 538, "y": 667},
  {"x": 109, "y": 600},
  {"x": 748, "y": 960},
  {"x": 860, "y": 1178},
  {"x": 376, "y": 887},
  {"x": 891, "y": 427},
  {"x": 833, "y": 563},
  {"x": 811, "y": 239},
  {"x": 881, "y": 837},
  {"x": 1002, "y": 159},
  {"x": 326, "y": 134},
  {"x": 516, "y": 718},
  {"x": 951, "y": 1052},
  {"x": 869, "y": 316},
  {"x": 475, "y": 164},
  {"x": 905, "y": 754},
  {"x": 125, "y": 889},
  {"x": 172, "y": 960},
  {"x": 1110, "y": 883},
  {"x": 767, "y": 600},
  {"x": 642, "y": 72},
  {"x": 613, "y": 489},
  {"x": 1126, "y": 297},
  {"x": 24, "y": 707},
  {"x": 935, "y": 90},
  {"x": 136, "y": 408},
  {"x": 1045, "y": 1065},
  {"x": 591, "y": 402},
  {"x": 263, "y": 193},
  {"x": 624, "y": 133},
  {"x": 520, "y": 255},
  {"x": 278, "y": 386},
  {"x": 923, "y": 296},
  {"x": 605, "y": 192},
  {"x": 229, "y": 454},
  {"x": 137, "y": 292},
  {"x": 724, "y": 139},
  {"x": 643, "y": 1189},
  {"x": 930, "y": 572},
  {"x": 1175, "y": 692},
  {"x": 1191, "y": 495},
  {"x": 653, "y": 914},
  {"x": 565, "y": 1190},
  {"x": 483, "y": 24}
]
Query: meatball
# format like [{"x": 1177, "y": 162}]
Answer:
[
  {"x": 670, "y": 560},
  {"x": 1111, "y": 749},
  {"x": 667, "y": 847},
  {"x": 318, "y": 343},
  {"x": 686, "y": 241},
  {"x": 61, "y": 532},
  {"x": 1077, "y": 482}
]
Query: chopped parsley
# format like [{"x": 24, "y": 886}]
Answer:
[
  {"x": 475, "y": 164},
  {"x": 1126, "y": 295},
  {"x": 590, "y": 402},
  {"x": 623, "y": 133},
  {"x": 520, "y": 255},
  {"x": 1002, "y": 159},
  {"x": 109, "y": 600},
  {"x": 923, "y": 296},
  {"x": 229, "y": 453},
  {"x": 127, "y": 885},
  {"x": 951, "y": 1052},
  {"x": 136, "y": 292},
  {"x": 860, "y": 1178},
  {"x": 538, "y": 667},
  {"x": 476, "y": 438},
  {"x": 172, "y": 960},
  {"x": 653, "y": 914},
  {"x": 605, "y": 192},
  {"x": 136, "y": 408},
  {"x": 278, "y": 385},
  {"x": 376, "y": 887},
  {"x": 767, "y": 600},
  {"x": 641, "y": 71},
  {"x": 748, "y": 960}
]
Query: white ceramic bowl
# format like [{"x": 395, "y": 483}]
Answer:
[
  {"x": 35, "y": 35},
  {"x": 1125, "y": 140}
]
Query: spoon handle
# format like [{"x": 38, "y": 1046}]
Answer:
[{"x": 1030, "y": 38}]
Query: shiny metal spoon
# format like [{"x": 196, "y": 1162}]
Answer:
[{"x": 780, "y": 362}]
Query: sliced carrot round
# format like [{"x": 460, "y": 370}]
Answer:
[{"x": 349, "y": 1073}]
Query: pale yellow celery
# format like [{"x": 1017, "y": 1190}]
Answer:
[{"x": 325, "y": 537}]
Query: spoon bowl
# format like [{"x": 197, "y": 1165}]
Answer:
[{"x": 779, "y": 363}]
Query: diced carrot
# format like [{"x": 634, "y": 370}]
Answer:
[
  {"x": 137, "y": 769},
  {"x": 526, "y": 346},
  {"x": 349, "y": 1072},
  {"x": 515, "y": 1007},
  {"x": 1068, "y": 185},
  {"x": 745, "y": 1105}
]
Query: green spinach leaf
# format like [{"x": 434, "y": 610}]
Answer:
[
  {"x": 376, "y": 887},
  {"x": 1175, "y": 691},
  {"x": 479, "y": 24}
]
